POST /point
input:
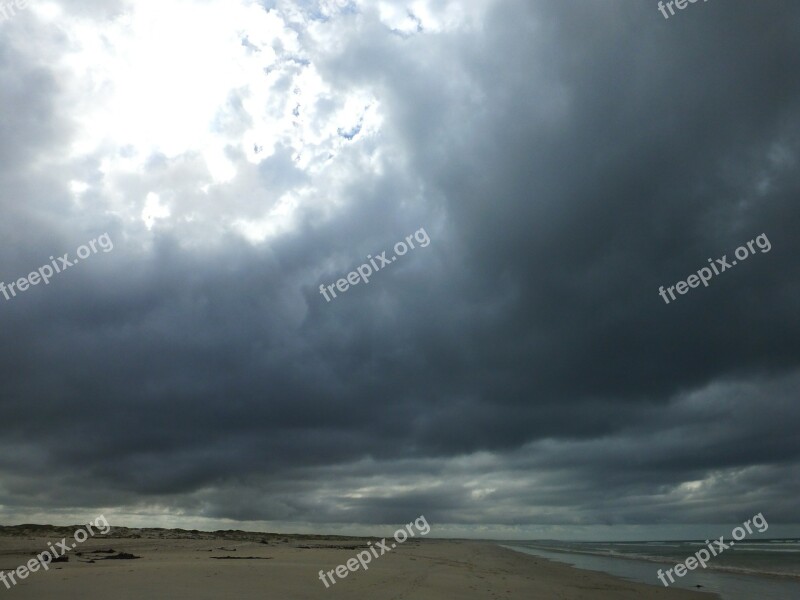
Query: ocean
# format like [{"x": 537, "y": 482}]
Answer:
[{"x": 765, "y": 569}]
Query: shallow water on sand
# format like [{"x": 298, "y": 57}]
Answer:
[{"x": 630, "y": 565}]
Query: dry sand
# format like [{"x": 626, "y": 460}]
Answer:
[{"x": 181, "y": 565}]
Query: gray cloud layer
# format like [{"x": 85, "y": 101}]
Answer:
[{"x": 567, "y": 159}]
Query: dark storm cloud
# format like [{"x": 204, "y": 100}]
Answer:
[{"x": 567, "y": 159}]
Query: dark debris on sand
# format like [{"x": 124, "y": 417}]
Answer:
[
  {"x": 121, "y": 556},
  {"x": 241, "y": 557}
]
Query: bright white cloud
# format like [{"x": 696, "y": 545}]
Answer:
[
  {"x": 181, "y": 101},
  {"x": 226, "y": 82}
]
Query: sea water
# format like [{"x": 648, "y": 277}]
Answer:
[{"x": 766, "y": 569}]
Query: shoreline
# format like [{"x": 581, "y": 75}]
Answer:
[
  {"x": 711, "y": 568},
  {"x": 725, "y": 584}
]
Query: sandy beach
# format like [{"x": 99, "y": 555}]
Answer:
[{"x": 195, "y": 565}]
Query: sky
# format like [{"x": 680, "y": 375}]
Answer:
[{"x": 219, "y": 167}]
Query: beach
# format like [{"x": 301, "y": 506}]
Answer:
[{"x": 197, "y": 565}]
